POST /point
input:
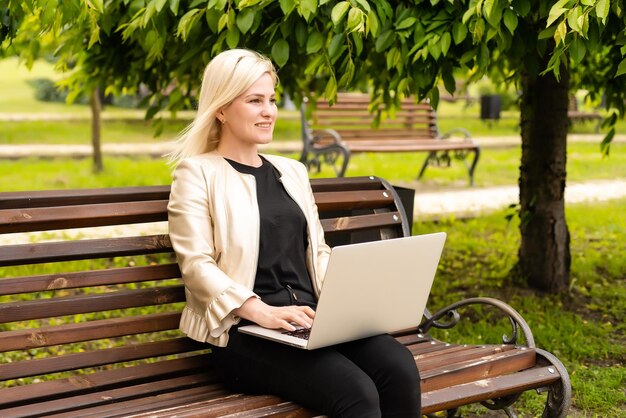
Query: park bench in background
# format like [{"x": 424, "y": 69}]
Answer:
[
  {"x": 330, "y": 134},
  {"x": 575, "y": 116},
  {"x": 88, "y": 327}
]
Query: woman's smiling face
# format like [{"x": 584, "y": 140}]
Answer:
[{"x": 250, "y": 118}]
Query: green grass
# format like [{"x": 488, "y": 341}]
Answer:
[
  {"x": 497, "y": 167},
  {"x": 584, "y": 328}
]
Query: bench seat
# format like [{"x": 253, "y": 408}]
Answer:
[{"x": 89, "y": 326}]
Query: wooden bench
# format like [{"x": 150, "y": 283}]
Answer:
[
  {"x": 89, "y": 316},
  {"x": 330, "y": 134},
  {"x": 574, "y": 115}
]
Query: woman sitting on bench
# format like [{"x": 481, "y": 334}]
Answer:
[{"x": 251, "y": 249}]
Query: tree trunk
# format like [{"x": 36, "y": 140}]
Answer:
[
  {"x": 544, "y": 254},
  {"x": 96, "y": 109}
]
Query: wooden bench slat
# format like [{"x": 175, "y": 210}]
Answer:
[
  {"x": 474, "y": 369},
  {"x": 72, "y": 280},
  {"x": 70, "y": 197},
  {"x": 82, "y": 216},
  {"x": 86, "y": 331},
  {"x": 46, "y": 252},
  {"x": 100, "y": 380},
  {"x": 410, "y": 147},
  {"x": 48, "y": 198},
  {"x": 432, "y": 360},
  {"x": 329, "y": 201},
  {"x": 257, "y": 406},
  {"x": 76, "y": 403},
  {"x": 349, "y": 184},
  {"x": 109, "y": 407},
  {"x": 46, "y": 308},
  {"x": 101, "y": 357},
  {"x": 484, "y": 389},
  {"x": 355, "y": 223}
]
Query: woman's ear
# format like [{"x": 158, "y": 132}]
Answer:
[{"x": 220, "y": 116}]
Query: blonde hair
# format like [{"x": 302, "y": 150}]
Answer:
[{"x": 226, "y": 77}]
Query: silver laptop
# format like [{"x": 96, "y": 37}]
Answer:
[{"x": 369, "y": 289}]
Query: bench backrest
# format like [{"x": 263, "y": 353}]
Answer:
[
  {"x": 352, "y": 116},
  {"x": 109, "y": 295}
]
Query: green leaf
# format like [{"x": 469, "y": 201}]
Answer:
[
  {"x": 373, "y": 23},
  {"x": 280, "y": 52},
  {"x": 577, "y": 49},
  {"x": 187, "y": 22},
  {"x": 308, "y": 8},
  {"x": 554, "y": 15},
  {"x": 174, "y": 6},
  {"x": 98, "y": 5},
  {"x": 560, "y": 33},
  {"x": 605, "y": 146},
  {"x": 459, "y": 32},
  {"x": 338, "y": 12},
  {"x": 355, "y": 20},
  {"x": 287, "y": 6},
  {"x": 621, "y": 68},
  {"x": 547, "y": 33},
  {"x": 330, "y": 92},
  {"x": 572, "y": 19},
  {"x": 364, "y": 5},
  {"x": 232, "y": 37},
  {"x": 445, "y": 42},
  {"x": 406, "y": 23},
  {"x": 556, "y": 11},
  {"x": 358, "y": 43},
  {"x": 336, "y": 46},
  {"x": 159, "y": 4},
  {"x": 248, "y": 3},
  {"x": 245, "y": 19},
  {"x": 602, "y": 10},
  {"x": 434, "y": 48},
  {"x": 493, "y": 12},
  {"x": 314, "y": 43},
  {"x": 510, "y": 21},
  {"x": 221, "y": 24},
  {"x": 384, "y": 40}
]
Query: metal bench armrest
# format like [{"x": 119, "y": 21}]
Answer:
[{"x": 448, "y": 317}]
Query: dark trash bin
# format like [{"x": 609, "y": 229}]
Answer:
[{"x": 490, "y": 106}]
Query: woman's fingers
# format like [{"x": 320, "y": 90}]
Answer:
[{"x": 300, "y": 315}]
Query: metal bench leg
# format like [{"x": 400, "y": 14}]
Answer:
[
  {"x": 344, "y": 164},
  {"x": 431, "y": 154},
  {"x": 472, "y": 167}
]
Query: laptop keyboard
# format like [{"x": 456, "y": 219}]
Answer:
[{"x": 302, "y": 333}]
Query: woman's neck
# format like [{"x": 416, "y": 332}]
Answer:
[{"x": 244, "y": 155}]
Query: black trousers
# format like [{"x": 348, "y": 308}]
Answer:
[{"x": 371, "y": 377}]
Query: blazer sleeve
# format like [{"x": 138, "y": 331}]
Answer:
[{"x": 211, "y": 294}]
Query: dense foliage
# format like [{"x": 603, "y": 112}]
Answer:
[{"x": 391, "y": 48}]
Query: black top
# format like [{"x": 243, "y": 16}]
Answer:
[{"x": 282, "y": 277}]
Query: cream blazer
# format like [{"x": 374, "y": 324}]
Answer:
[{"x": 214, "y": 229}]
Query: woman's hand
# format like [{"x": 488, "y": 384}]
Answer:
[{"x": 267, "y": 316}]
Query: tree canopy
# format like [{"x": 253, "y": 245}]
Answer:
[
  {"x": 405, "y": 47},
  {"x": 390, "y": 48}
]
